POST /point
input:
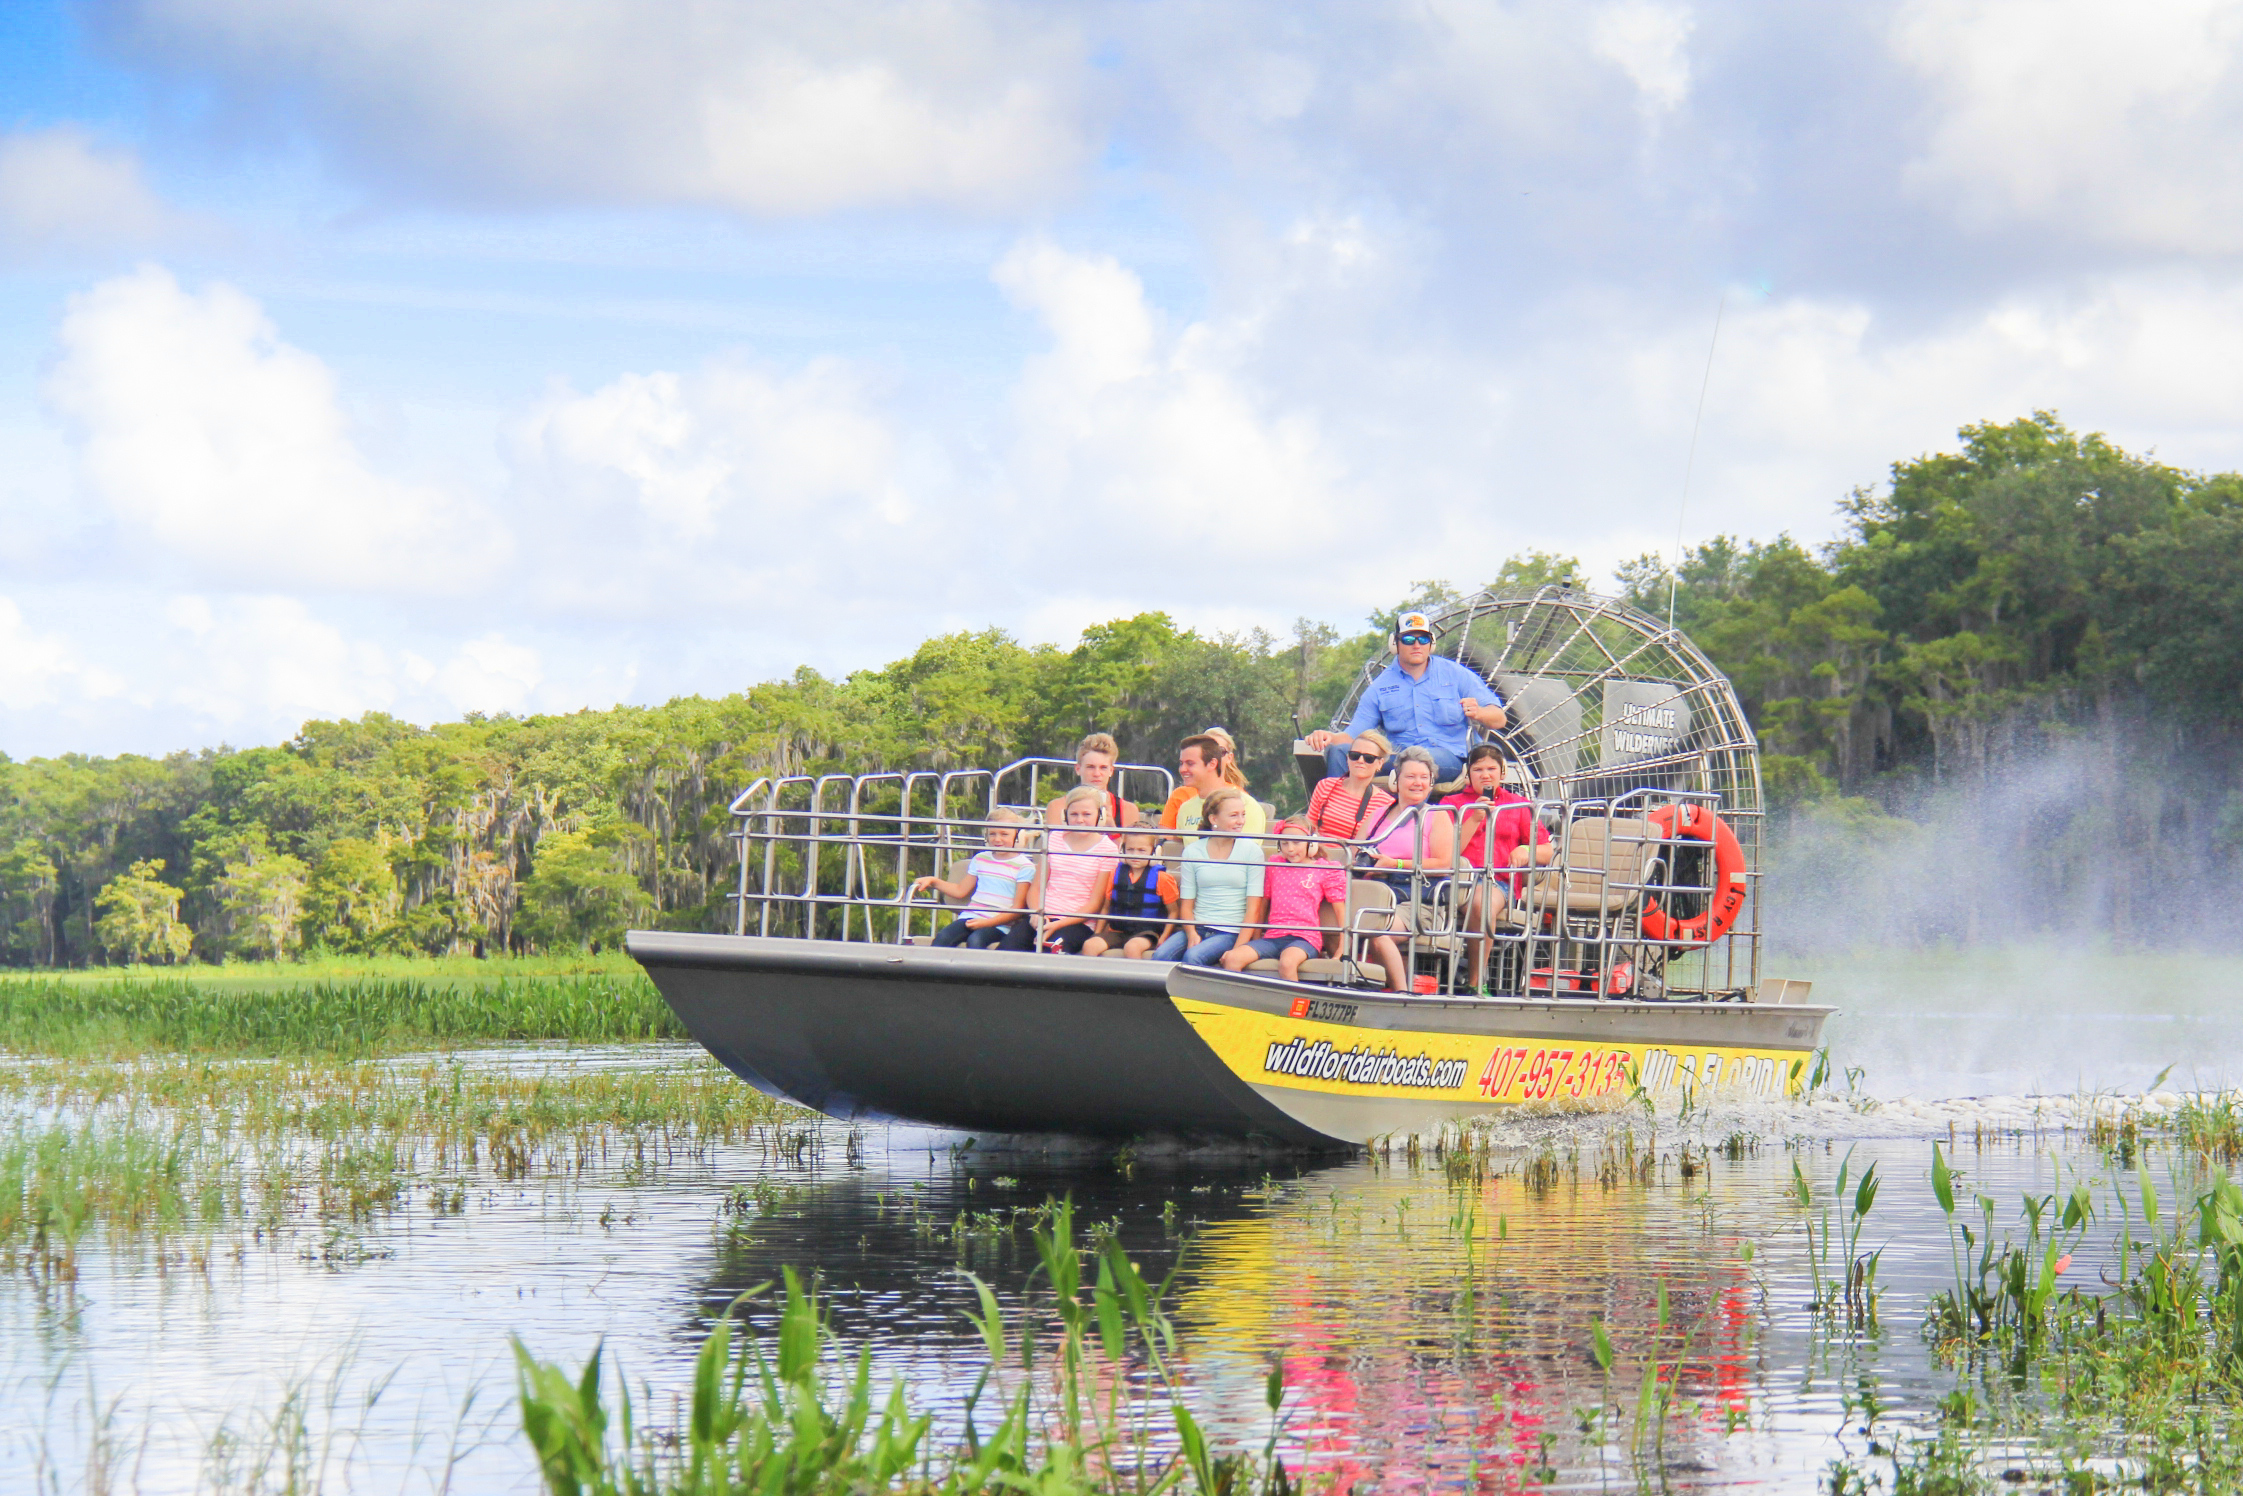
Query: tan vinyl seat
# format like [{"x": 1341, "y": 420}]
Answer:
[{"x": 1604, "y": 860}]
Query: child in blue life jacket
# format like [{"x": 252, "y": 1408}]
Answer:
[{"x": 1138, "y": 913}]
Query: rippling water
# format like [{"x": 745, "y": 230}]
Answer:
[{"x": 1433, "y": 1332}]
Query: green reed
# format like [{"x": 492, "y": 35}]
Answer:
[
  {"x": 57, "y": 1015},
  {"x": 794, "y": 1417},
  {"x": 167, "y": 1144},
  {"x": 2128, "y": 1377}
]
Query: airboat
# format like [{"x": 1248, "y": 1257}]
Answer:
[{"x": 1627, "y": 967}]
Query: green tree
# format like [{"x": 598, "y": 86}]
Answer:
[
  {"x": 261, "y": 894},
  {"x": 2176, "y": 607},
  {"x": 353, "y": 899},
  {"x": 1530, "y": 569},
  {"x": 583, "y": 890},
  {"x": 28, "y": 885},
  {"x": 139, "y": 917}
]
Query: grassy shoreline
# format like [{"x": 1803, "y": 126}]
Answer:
[
  {"x": 331, "y": 1007},
  {"x": 254, "y": 975}
]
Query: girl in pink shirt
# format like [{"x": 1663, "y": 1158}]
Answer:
[
  {"x": 1078, "y": 873},
  {"x": 1299, "y": 885}
]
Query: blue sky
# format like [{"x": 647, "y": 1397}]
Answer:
[{"x": 528, "y": 356}]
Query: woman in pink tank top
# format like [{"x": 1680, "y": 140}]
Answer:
[{"x": 1410, "y": 838}]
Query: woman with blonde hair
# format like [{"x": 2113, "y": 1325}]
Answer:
[
  {"x": 1221, "y": 895},
  {"x": 1342, "y": 808},
  {"x": 1233, "y": 775}
]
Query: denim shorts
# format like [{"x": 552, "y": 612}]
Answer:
[{"x": 1269, "y": 948}]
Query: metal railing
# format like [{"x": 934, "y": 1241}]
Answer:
[{"x": 836, "y": 856}]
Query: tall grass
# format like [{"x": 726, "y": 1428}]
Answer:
[
  {"x": 317, "y": 967},
  {"x": 70, "y": 1015},
  {"x": 168, "y": 1144}
]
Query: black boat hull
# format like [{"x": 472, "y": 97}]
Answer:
[
  {"x": 982, "y": 1041},
  {"x": 992, "y": 1042}
]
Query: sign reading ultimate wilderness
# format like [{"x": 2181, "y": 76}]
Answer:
[{"x": 1643, "y": 719}]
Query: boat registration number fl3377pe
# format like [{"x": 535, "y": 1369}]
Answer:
[{"x": 1627, "y": 964}]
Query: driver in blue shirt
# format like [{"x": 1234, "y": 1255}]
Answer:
[{"x": 1421, "y": 700}]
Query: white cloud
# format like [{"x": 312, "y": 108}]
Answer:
[
  {"x": 212, "y": 443},
  {"x": 154, "y": 672},
  {"x": 1125, "y": 422},
  {"x": 735, "y": 492},
  {"x": 1810, "y": 396},
  {"x": 2105, "y": 122},
  {"x": 60, "y": 191},
  {"x": 490, "y": 675},
  {"x": 1646, "y": 41},
  {"x": 774, "y": 107},
  {"x": 33, "y": 666},
  {"x": 264, "y": 665},
  {"x": 730, "y": 446}
]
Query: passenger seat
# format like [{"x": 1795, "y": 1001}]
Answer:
[{"x": 1604, "y": 858}]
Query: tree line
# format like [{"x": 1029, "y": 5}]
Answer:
[{"x": 2033, "y": 588}]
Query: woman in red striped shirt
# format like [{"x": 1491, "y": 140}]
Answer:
[{"x": 1343, "y": 809}]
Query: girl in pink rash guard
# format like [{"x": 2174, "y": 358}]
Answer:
[
  {"x": 1299, "y": 884},
  {"x": 1078, "y": 873}
]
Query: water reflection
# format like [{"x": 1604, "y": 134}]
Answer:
[
  {"x": 1434, "y": 1331},
  {"x": 1435, "y": 1323}
]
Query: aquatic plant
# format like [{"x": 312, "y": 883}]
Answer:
[
  {"x": 2005, "y": 1290},
  {"x": 1852, "y": 1287},
  {"x": 2136, "y": 1387},
  {"x": 779, "y": 1419},
  {"x": 168, "y": 1144}
]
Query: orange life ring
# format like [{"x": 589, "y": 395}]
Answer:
[{"x": 1689, "y": 821}]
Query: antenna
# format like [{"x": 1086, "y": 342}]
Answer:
[{"x": 1674, "y": 572}]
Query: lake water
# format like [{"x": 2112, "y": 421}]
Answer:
[{"x": 1434, "y": 1333}]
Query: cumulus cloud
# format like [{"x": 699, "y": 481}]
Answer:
[
  {"x": 1123, "y": 417},
  {"x": 490, "y": 674},
  {"x": 1541, "y": 139},
  {"x": 156, "y": 672},
  {"x": 216, "y": 446},
  {"x": 774, "y": 107},
  {"x": 265, "y": 664},
  {"x": 2115, "y": 123},
  {"x": 35, "y": 667},
  {"x": 59, "y": 191},
  {"x": 738, "y": 487},
  {"x": 730, "y": 446},
  {"x": 1646, "y": 41},
  {"x": 1360, "y": 294}
]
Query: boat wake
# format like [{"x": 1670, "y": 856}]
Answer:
[{"x": 1830, "y": 1118}]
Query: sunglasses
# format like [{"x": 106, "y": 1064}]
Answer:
[
  {"x": 1366, "y": 758},
  {"x": 1417, "y": 638}
]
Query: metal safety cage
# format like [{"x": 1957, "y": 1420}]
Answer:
[
  {"x": 1610, "y": 712},
  {"x": 835, "y": 857},
  {"x": 832, "y": 856}
]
